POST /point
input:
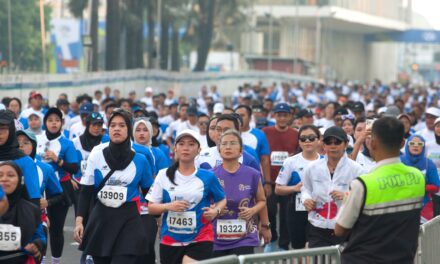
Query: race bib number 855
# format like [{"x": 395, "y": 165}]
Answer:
[{"x": 10, "y": 237}]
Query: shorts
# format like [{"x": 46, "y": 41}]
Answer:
[
  {"x": 234, "y": 251},
  {"x": 197, "y": 251}
]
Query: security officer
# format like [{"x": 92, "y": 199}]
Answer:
[{"x": 382, "y": 210}]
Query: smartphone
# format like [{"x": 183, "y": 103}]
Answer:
[{"x": 369, "y": 124}]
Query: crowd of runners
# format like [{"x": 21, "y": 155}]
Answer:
[{"x": 280, "y": 166}]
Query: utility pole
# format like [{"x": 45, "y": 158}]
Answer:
[
  {"x": 269, "y": 62},
  {"x": 10, "y": 59},
  {"x": 159, "y": 24},
  {"x": 318, "y": 44}
]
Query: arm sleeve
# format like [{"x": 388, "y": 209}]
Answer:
[
  {"x": 39, "y": 238},
  {"x": 350, "y": 210},
  {"x": 71, "y": 168},
  {"x": 70, "y": 159},
  {"x": 89, "y": 175},
  {"x": 306, "y": 189},
  {"x": 146, "y": 177},
  {"x": 155, "y": 194},
  {"x": 30, "y": 174},
  {"x": 216, "y": 189},
  {"x": 85, "y": 196},
  {"x": 252, "y": 162},
  {"x": 283, "y": 177},
  {"x": 432, "y": 177},
  {"x": 262, "y": 141}
]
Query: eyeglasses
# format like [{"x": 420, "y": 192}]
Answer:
[
  {"x": 230, "y": 143},
  {"x": 334, "y": 141},
  {"x": 310, "y": 138},
  {"x": 416, "y": 144},
  {"x": 24, "y": 143}
]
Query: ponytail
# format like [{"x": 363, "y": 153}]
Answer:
[{"x": 171, "y": 171}]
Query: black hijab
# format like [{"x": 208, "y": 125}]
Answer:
[
  {"x": 21, "y": 213},
  {"x": 9, "y": 150},
  {"x": 89, "y": 141},
  {"x": 57, "y": 112},
  {"x": 119, "y": 156}
]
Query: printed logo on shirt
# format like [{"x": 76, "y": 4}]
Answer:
[
  {"x": 243, "y": 187},
  {"x": 172, "y": 188},
  {"x": 105, "y": 167},
  {"x": 222, "y": 183}
]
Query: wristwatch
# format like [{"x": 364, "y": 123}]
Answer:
[
  {"x": 218, "y": 211},
  {"x": 267, "y": 226}
]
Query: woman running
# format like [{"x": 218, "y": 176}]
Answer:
[
  {"x": 183, "y": 194},
  {"x": 115, "y": 174},
  {"x": 236, "y": 229},
  {"x": 22, "y": 239},
  {"x": 289, "y": 183}
]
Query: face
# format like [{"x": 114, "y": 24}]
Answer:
[
  {"x": 360, "y": 128},
  {"x": 36, "y": 102},
  {"x": 126, "y": 106},
  {"x": 244, "y": 115},
  {"x": 437, "y": 129},
  {"x": 338, "y": 120},
  {"x": 192, "y": 119},
  {"x": 230, "y": 148},
  {"x": 8, "y": 179},
  {"x": 53, "y": 123},
  {"x": 182, "y": 112},
  {"x": 64, "y": 108},
  {"x": 118, "y": 130},
  {"x": 14, "y": 106},
  {"x": 141, "y": 134},
  {"x": 307, "y": 120},
  {"x": 430, "y": 119},
  {"x": 95, "y": 129},
  {"x": 109, "y": 112},
  {"x": 211, "y": 130},
  {"x": 4, "y": 134},
  {"x": 347, "y": 126},
  {"x": 415, "y": 146},
  {"x": 334, "y": 147},
  {"x": 329, "y": 110},
  {"x": 186, "y": 149},
  {"x": 203, "y": 124},
  {"x": 222, "y": 127},
  {"x": 34, "y": 122},
  {"x": 308, "y": 141},
  {"x": 25, "y": 144},
  {"x": 282, "y": 119},
  {"x": 406, "y": 124}
]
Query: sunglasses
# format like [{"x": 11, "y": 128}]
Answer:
[
  {"x": 310, "y": 138},
  {"x": 96, "y": 115},
  {"x": 416, "y": 144},
  {"x": 349, "y": 116},
  {"x": 335, "y": 142}
]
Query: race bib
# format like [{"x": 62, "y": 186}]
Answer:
[
  {"x": 277, "y": 157},
  {"x": 83, "y": 166},
  {"x": 10, "y": 237},
  {"x": 299, "y": 205},
  {"x": 113, "y": 196},
  {"x": 182, "y": 222},
  {"x": 230, "y": 229}
]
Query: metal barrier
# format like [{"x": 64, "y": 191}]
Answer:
[
  {"x": 232, "y": 259},
  {"x": 429, "y": 237}
]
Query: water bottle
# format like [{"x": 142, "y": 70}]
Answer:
[{"x": 89, "y": 260}]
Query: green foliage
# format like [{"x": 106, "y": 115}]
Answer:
[
  {"x": 26, "y": 36},
  {"x": 77, "y": 7}
]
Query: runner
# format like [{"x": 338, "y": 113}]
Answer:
[
  {"x": 289, "y": 183},
  {"x": 59, "y": 152},
  {"x": 182, "y": 193},
  {"x": 22, "y": 238},
  {"x": 236, "y": 229},
  {"x": 114, "y": 232}
]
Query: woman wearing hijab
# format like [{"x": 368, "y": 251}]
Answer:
[
  {"x": 9, "y": 152},
  {"x": 59, "y": 152},
  {"x": 415, "y": 156},
  {"x": 21, "y": 223},
  {"x": 156, "y": 140},
  {"x": 114, "y": 174}
]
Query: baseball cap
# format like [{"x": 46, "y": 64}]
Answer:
[
  {"x": 218, "y": 108},
  {"x": 148, "y": 90},
  {"x": 340, "y": 111},
  {"x": 191, "y": 111},
  {"x": 29, "y": 134},
  {"x": 35, "y": 94},
  {"x": 282, "y": 108},
  {"x": 437, "y": 121},
  {"x": 6, "y": 117},
  {"x": 94, "y": 118},
  {"x": 335, "y": 132},
  {"x": 86, "y": 108},
  {"x": 304, "y": 113},
  {"x": 358, "y": 107},
  {"x": 433, "y": 111},
  {"x": 53, "y": 110},
  {"x": 62, "y": 102},
  {"x": 189, "y": 133}
]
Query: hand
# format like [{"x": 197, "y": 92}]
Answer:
[
  {"x": 51, "y": 155},
  {"x": 33, "y": 249},
  {"x": 209, "y": 213},
  {"x": 266, "y": 234},
  {"x": 267, "y": 190},
  {"x": 178, "y": 206},
  {"x": 297, "y": 188},
  {"x": 78, "y": 232},
  {"x": 309, "y": 204},
  {"x": 337, "y": 195},
  {"x": 74, "y": 184},
  {"x": 43, "y": 203},
  {"x": 246, "y": 213}
]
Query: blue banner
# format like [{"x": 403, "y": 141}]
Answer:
[{"x": 408, "y": 36}]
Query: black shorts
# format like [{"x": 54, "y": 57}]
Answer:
[
  {"x": 174, "y": 254},
  {"x": 234, "y": 251}
]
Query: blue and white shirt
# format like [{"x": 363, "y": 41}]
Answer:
[
  {"x": 30, "y": 174},
  {"x": 292, "y": 169},
  {"x": 134, "y": 175},
  {"x": 210, "y": 158},
  {"x": 47, "y": 179},
  {"x": 198, "y": 189},
  {"x": 257, "y": 140}
]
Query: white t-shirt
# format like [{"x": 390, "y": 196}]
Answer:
[
  {"x": 293, "y": 167},
  {"x": 76, "y": 130}
]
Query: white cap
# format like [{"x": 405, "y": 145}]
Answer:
[
  {"x": 218, "y": 108},
  {"x": 382, "y": 110},
  {"x": 190, "y": 133},
  {"x": 433, "y": 111},
  {"x": 148, "y": 90},
  {"x": 437, "y": 120}
]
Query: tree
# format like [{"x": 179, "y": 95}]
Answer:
[
  {"x": 113, "y": 34},
  {"x": 206, "y": 22},
  {"x": 133, "y": 22},
  {"x": 152, "y": 54},
  {"x": 26, "y": 34}
]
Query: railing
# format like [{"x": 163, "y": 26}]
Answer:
[{"x": 429, "y": 237}]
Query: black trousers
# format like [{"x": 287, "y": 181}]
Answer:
[
  {"x": 123, "y": 259},
  {"x": 436, "y": 204},
  {"x": 233, "y": 251},
  {"x": 322, "y": 237},
  {"x": 297, "y": 225},
  {"x": 57, "y": 216},
  {"x": 272, "y": 206}
]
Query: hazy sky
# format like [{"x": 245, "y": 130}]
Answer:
[{"x": 429, "y": 9}]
